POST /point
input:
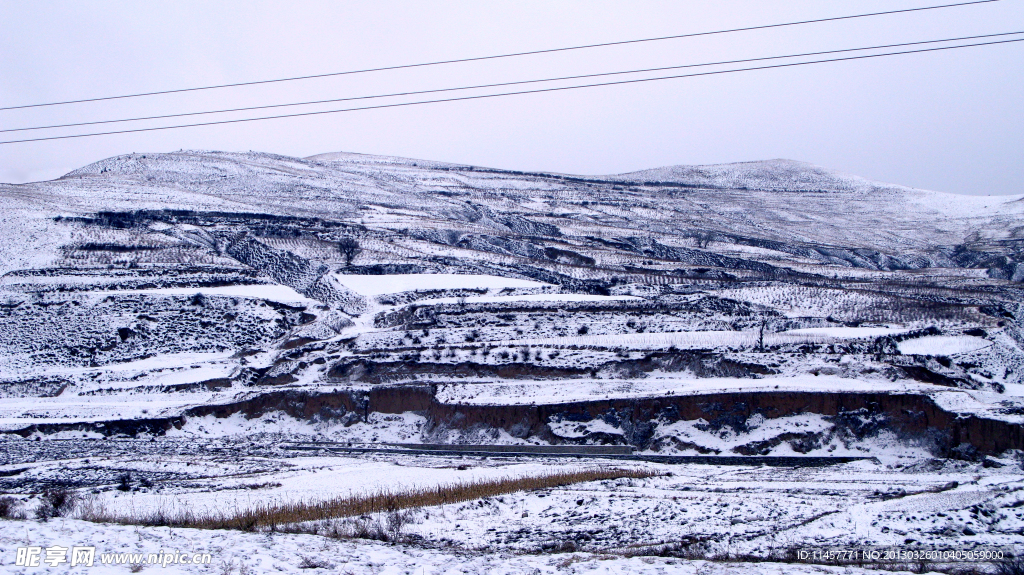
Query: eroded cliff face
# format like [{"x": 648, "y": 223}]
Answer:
[{"x": 855, "y": 420}]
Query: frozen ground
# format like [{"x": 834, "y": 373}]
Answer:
[
  {"x": 583, "y": 528},
  {"x": 281, "y": 553}
]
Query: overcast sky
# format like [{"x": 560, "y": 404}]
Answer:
[{"x": 950, "y": 121}]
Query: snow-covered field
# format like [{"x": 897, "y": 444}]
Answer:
[
  {"x": 847, "y": 332},
  {"x": 552, "y": 297},
  {"x": 172, "y": 361},
  {"x": 713, "y": 339},
  {"x": 943, "y": 345},
  {"x": 591, "y": 527},
  {"x": 270, "y": 292},
  {"x": 548, "y": 392},
  {"x": 396, "y": 283},
  {"x": 282, "y": 553}
]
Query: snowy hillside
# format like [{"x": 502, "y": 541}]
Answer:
[
  {"x": 272, "y": 317},
  {"x": 677, "y": 272},
  {"x": 779, "y": 175}
]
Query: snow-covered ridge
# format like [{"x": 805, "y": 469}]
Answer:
[
  {"x": 769, "y": 175},
  {"x": 371, "y": 160}
]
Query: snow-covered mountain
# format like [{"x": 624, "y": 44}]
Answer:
[
  {"x": 202, "y": 278},
  {"x": 204, "y": 334},
  {"x": 738, "y": 204}
]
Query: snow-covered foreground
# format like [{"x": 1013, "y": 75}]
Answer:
[
  {"x": 592, "y": 527},
  {"x": 583, "y": 528},
  {"x": 233, "y": 552}
]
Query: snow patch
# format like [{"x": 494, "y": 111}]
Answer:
[
  {"x": 397, "y": 283},
  {"x": 942, "y": 345},
  {"x": 270, "y": 292}
]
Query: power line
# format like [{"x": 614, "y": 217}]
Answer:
[
  {"x": 500, "y": 84},
  {"x": 537, "y": 91},
  {"x": 495, "y": 57}
]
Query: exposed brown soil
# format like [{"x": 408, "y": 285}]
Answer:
[{"x": 913, "y": 416}]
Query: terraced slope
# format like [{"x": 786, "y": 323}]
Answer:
[{"x": 760, "y": 308}]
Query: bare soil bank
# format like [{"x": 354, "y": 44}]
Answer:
[{"x": 914, "y": 417}]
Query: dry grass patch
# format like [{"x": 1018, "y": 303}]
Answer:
[{"x": 272, "y": 516}]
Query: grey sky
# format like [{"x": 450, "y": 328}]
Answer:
[{"x": 949, "y": 121}]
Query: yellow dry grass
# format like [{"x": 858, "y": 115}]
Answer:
[{"x": 274, "y": 515}]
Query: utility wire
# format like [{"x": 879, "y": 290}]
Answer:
[
  {"x": 500, "y": 84},
  {"x": 495, "y": 57},
  {"x": 537, "y": 91}
]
